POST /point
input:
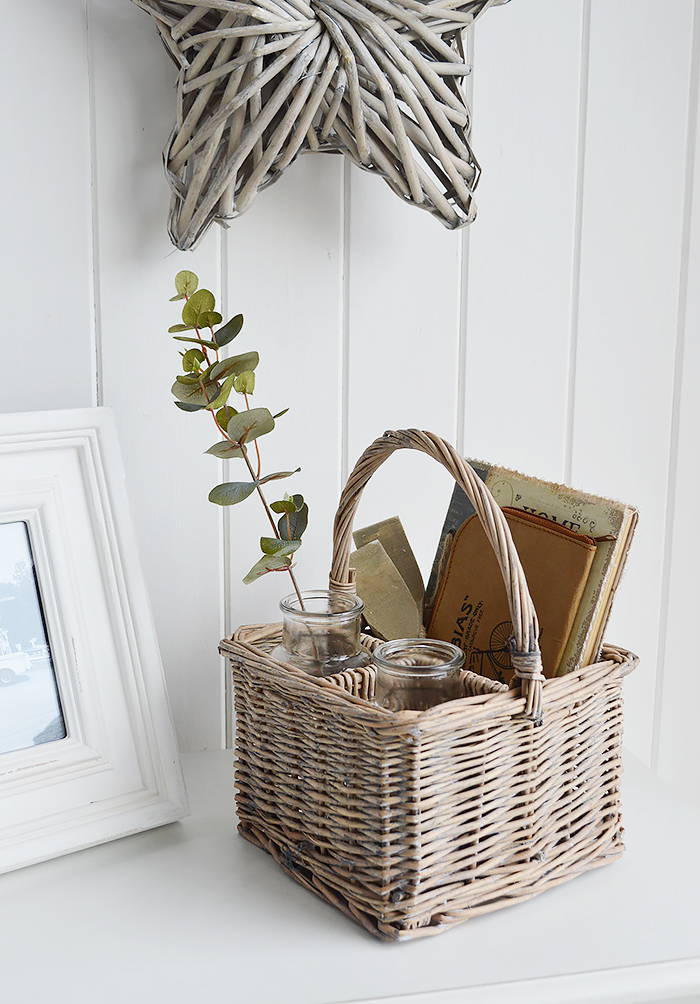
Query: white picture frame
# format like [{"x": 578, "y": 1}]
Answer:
[{"x": 117, "y": 770}]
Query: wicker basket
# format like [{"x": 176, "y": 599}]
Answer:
[{"x": 411, "y": 822}]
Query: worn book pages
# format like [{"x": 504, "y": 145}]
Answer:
[
  {"x": 611, "y": 523},
  {"x": 390, "y": 609},
  {"x": 471, "y": 609}
]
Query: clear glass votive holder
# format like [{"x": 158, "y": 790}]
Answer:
[
  {"x": 414, "y": 674},
  {"x": 323, "y": 637}
]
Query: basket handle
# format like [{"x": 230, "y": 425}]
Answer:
[{"x": 525, "y": 649}]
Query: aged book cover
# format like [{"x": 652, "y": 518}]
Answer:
[
  {"x": 610, "y": 523},
  {"x": 471, "y": 608}
]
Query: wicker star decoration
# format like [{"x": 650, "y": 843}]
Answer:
[{"x": 262, "y": 81}]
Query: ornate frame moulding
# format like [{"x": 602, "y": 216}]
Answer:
[
  {"x": 262, "y": 81},
  {"x": 112, "y": 767}
]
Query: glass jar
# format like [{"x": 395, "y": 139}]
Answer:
[
  {"x": 323, "y": 638},
  {"x": 414, "y": 674}
]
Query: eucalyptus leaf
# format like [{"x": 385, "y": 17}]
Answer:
[
  {"x": 191, "y": 360},
  {"x": 232, "y": 492},
  {"x": 234, "y": 364},
  {"x": 278, "y": 477},
  {"x": 283, "y": 506},
  {"x": 292, "y": 525},
  {"x": 249, "y": 425},
  {"x": 280, "y": 413},
  {"x": 208, "y": 319},
  {"x": 193, "y": 393},
  {"x": 244, "y": 383},
  {"x": 225, "y": 450},
  {"x": 181, "y": 327},
  {"x": 188, "y": 381},
  {"x": 229, "y": 331},
  {"x": 272, "y": 545},
  {"x": 268, "y": 563},
  {"x": 200, "y": 302},
  {"x": 188, "y": 407},
  {"x": 220, "y": 400},
  {"x": 185, "y": 284},
  {"x": 196, "y": 341},
  {"x": 224, "y": 415}
]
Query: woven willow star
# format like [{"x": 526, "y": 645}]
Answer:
[{"x": 264, "y": 80}]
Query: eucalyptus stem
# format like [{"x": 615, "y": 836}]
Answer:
[
  {"x": 257, "y": 448},
  {"x": 207, "y": 383},
  {"x": 260, "y": 492},
  {"x": 272, "y": 523}
]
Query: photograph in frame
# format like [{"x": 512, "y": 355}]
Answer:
[{"x": 30, "y": 712}]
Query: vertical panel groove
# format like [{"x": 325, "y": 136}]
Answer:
[
  {"x": 578, "y": 230},
  {"x": 460, "y": 388},
  {"x": 688, "y": 199},
  {"x": 345, "y": 330},
  {"x": 225, "y": 571},
  {"x": 93, "y": 242}
]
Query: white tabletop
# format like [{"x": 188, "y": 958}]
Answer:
[{"x": 191, "y": 913}]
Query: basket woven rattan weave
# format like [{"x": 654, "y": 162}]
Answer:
[{"x": 411, "y": 822}]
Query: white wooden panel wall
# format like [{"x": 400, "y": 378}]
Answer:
[
  {"x": 522, "y": 252},
  {"x": 675, "y": 750},
  {"x": 45, "y": 200},
  {"x": 559, "y": 334},
  {"x": 633, "y": 208}
]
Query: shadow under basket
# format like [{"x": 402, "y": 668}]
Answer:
[{"x": 412, "y": 822}]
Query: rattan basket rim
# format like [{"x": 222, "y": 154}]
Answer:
[{"x": 616, "y": 663}]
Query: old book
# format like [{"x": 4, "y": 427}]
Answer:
[
  {"x": 390, "y": 533},
  {"x": 390, "y": 609},
  {"x": 610, "y": 523},
  {"x": 459, "y": 510},
  {"x": 471, "y": 608}
]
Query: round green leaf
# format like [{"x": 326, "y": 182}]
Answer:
[
  {"x": 225, "y": 450},
  {"x": 278, "y": 477},
  {"x": 222, "y": 397},
  {"x": 193, "y": 393},
  {"x": 195, "y": 341},
  {"x": 272, "y": 545},
  {"x": 244, "y": 383},
  {"x": 234, "y": 364},
  {"x": 249, "y": 425},
  {"x": 223, "y": 415},
  {"x": 229, "y": 331},
  {"x": 292, "y": 525},
  {"x": 199, "y": 303},
  {"x": 232, "y": 492},
  {"x": 191, "y": 360},
  {"x": 185, "y": 284},
  {"x": 188, "y": 407},
  {"x": 208, "y": 318},
  {"x": 268, "y": 563}
]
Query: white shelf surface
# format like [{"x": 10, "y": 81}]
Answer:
[{"x": 191, "y": 912}]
